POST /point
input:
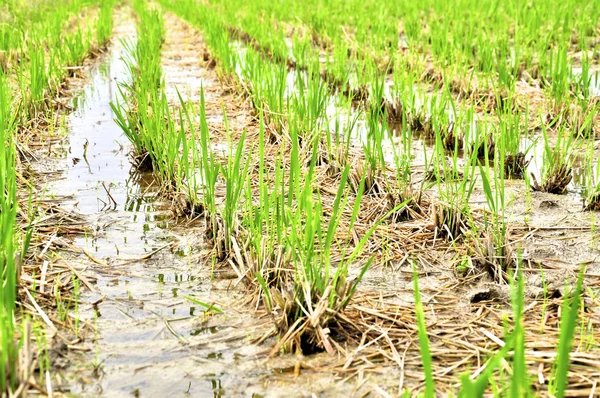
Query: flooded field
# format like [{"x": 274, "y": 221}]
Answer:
[{"x": 264, "y": 199}]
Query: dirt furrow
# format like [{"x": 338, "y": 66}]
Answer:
[{"x": 188, "y": 69}]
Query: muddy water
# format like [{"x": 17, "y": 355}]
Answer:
[{"x": 98, "y": 174}]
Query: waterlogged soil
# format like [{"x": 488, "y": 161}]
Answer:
[{"x": 141, "y": 334}]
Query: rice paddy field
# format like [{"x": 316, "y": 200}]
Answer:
[{"x": 313, "y": 198}]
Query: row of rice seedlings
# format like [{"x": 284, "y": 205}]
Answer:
[
  {"x": 255, "y": 48},
  {"x": 279, "y": 243},
  {"x": 8, "y": 241},
  {"x": 53, "y": 52},
  {"x": 425, "y": 118},
  {"x": 451, "y": 221},
  {"x": 274, "y": 254},
  {"x": 499, "y": 62},
  {"x": 105, "y": 22},
  {"x": 143, "y": 119},
  {"x": 41, "y": 19},
  {"x": 35, "y": 79},
  {"x": 525, "y": 48},
  {"x": 458, "y": 221},
  {"x": 515, "y": 159},
  {"x": 185, "y": 166},
  {"x": 275, "y": 238},
  {"x": 298, "y": 283},
  {"x": 284, "y": 243},
  {"x": 272, "y": 89},
  {"x": 513, "y": 353}
]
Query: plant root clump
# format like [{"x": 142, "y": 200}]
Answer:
[
  {"x": 184, "y": 207},
  {"x": 308, "y": 321},
  {"x": 556, "y": 181},
  {"x": 358, "y": 95},
  {"x": 452, "y": 139},
  {"x": 394, "y": 112},
  {"x": 410, "y": 211},
  {"x": 333, "y": 158},
  {"x": 443, "y": 174},
  {"x": 492, "y": 256},
  {"x": 142, "y": 162},
  {"x": 374, "y": 184},
  {"x": 419, "y": 122},
  {"x": 581, "y": 119},
  {"x": 448, "y": 221},
  {"x": 483, "y": 148},
  {"x": 593, "y": 202},
  {"x": 215, "y": 235},
  {"x": 515, "y": 165}
]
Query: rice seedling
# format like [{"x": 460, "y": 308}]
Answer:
[
  {"x": 43, "y": 351},
  {"x": 592, "y": 200},
  {"x": 61, "y": 306},
  {"x": 568, "y": 323},
  {"x": 76, "y": 291},
  {"x": 423, "y": 338},
  {"x": 319, "y": 291},
  {"x": 509, "y": 138},
  {"x": 143, "y": 121},
  {"x": 208, "y": 307},
  {"x": 268, "y": 89},
  {"x": 308, "y": 101},
  {"x": 555, "y": 172},
  {"x": 494, "y": 249},
  {"x": 520, "y": 384},
  {"x": 374, "y": 164},
  {"x": 38, "y": 80},
  {"x": 234, "y": 174},
  {"x": 451, "y": 215},
  {"x": 209, "y": 171}
]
